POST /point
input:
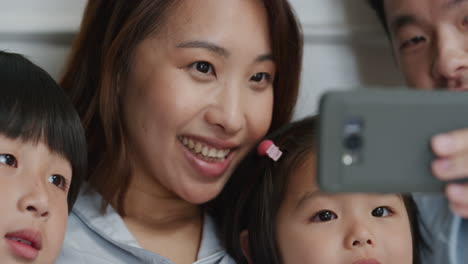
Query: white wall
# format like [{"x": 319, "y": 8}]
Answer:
[{"x": 344, "y": 44}]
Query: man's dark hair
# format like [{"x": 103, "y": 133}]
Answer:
[
  {"x": 35, "y": 109},
  {"x": 378, "y": 7}
]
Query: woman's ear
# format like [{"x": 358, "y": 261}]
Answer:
[{"x": 244, "y": 243}]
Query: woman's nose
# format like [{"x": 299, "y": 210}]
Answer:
[{"x": 227, "y": 111}]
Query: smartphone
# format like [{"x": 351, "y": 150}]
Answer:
[{"x": 379, "y": 140}]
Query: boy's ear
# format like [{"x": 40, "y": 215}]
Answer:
[{"x": 244, "y": 243}]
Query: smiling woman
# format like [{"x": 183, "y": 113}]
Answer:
[{"x": 173, "y": 94}]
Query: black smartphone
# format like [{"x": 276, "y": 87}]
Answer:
[{"x": 373, "y": 140}]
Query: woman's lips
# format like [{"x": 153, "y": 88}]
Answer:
[
  {"x": 211, "y": 169},
  {"x": 24, "y": 243}
]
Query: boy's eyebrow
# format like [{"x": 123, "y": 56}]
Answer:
[{"x": 305, "y": 197}]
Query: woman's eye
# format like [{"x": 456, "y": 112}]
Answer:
[
  {"x": 324, "y": 216},
  {"x": 59, "y": 181},
  {"x": 9, "y": 160},
  {"x": 203, "y": 67},
  {"x": 260, "y": 76},
  {"x": 381, "y": 212},
  {"x": 412, "y": 42}
]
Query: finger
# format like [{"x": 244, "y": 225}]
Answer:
[
  {"x": 451, "y": 168},
  {"x": 459, "y": 209},
  {"x": 450, "y": 143}
]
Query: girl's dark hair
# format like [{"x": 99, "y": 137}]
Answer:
[
  {"x": 34, "y": 108},
  {"x": 251, "y": 199},
  {"x": 98, "y": 68}
]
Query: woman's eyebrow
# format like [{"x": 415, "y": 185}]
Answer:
[{"x": 197, "y": 44}]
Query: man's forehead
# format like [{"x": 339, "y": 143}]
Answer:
[
  {"x": 405, "y": 12},
  {"x": 400, "y": 6}
]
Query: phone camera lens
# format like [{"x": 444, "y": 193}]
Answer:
[{"x": 353, "y": 142}]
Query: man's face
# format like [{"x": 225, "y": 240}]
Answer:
[{"x": 430, "y": 40}]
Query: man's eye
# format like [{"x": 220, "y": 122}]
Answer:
[
  {"x": 324, "y": 216},
  {"x": 412, "y": 41},
  {"x": 59, "y": 181},
  {"x": 203, "y": 67},
  {"x": 382, "y": 212},
  {"x": 260, "y": 76},
  {"x": 9, "y": 160}
]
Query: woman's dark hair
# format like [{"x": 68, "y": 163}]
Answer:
[
  {"x": 34, "y": 108},
  {"x": 251, "y": 199},
  {"x": 99, "y": 65}
]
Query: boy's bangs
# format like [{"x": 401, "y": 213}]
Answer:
[{"x": 34, "y": 108}]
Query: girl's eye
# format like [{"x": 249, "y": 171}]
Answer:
[
  {"x": 260, "y": 76},
  {"x": 381, "y": 212},
  {"x": 203, "y": 67},
  {"x": 412, "y": 42},
  {"x": 59, "y": 181},
  {"x": 9, "y": 160},
  {"x": 324, "y": 216}
]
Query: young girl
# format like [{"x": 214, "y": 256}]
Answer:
[
  {"x": 282, "y": 217},
  {"x": 42, "y": 162}
]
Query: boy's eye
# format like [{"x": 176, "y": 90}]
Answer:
[
  {"x": 9, "y": 160},
  {"x": 260, "y": 76},
  {"x": 412, "y": 42},
  {"x": 324, "y": 216},
  {"x": 59, "y": 181},
  {"x": 203, "y": 67},
  {"x": 381, "y": 212}
]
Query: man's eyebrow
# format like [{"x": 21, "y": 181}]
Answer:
[
  {"x": 305, "y": 197},
  {"x": 399, "y": 22},
  {"x": 453, "y": 3},
  {"x": 204, "y": 45}
]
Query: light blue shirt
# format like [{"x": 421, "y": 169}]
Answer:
[
  {"x": 445, "y": 233},
  {"x": 94, "y": 238}
]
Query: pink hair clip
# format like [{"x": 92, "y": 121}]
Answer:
[{"x": 267, "y": 147}]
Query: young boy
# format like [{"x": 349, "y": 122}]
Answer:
[{"x": 42, "y": 162}]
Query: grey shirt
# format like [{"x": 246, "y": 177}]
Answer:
[
  {"x": 445, "y": 233},
  {"x": 93, "y": 238}
]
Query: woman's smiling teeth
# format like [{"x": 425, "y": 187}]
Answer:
[{"x": 203, "y": 151}]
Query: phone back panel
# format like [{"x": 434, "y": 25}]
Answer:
[{"x": 379, "y": 140}]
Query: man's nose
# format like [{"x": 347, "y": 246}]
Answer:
[{"x": 451, "y": 59}]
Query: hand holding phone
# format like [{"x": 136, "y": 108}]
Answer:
[
  {"x": 451, "y": 163},
  {"x": 380, "y": 140}
]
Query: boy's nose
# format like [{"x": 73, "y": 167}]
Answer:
[{"x": 35, "y": 202}]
